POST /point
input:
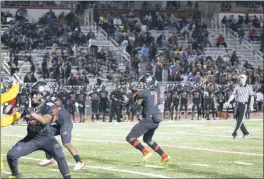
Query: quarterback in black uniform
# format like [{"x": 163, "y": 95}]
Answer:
[
  {"x": 39, "y": 133},
  {"x": 147, "y": 97}
]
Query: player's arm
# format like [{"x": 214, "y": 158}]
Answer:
[
  {"x": 232, "y": 95},
  {"x": 11, "y": 94},
  {"x": 43, "y": 119},
  {"x": 46, "y": 118},
  {"x": 138, "y": 101}
]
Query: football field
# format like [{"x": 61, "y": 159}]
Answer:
[{"x": 198, "y": 149}]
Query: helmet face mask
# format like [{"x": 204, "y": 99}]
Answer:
[{"x": 39, "y": 91}]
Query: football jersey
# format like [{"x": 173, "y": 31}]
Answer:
[
  {"x": 35, "y": 128},
  {"x": 150, "y": 102}
]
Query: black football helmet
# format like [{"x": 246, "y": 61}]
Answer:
[
  {"x": 148, "y": 80},
  {"x": 42, "y": 88}
]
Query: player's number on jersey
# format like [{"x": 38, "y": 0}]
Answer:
[{"x": 154, "y": 93}]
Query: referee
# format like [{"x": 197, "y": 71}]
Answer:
[{"x": 241, "y": 94}]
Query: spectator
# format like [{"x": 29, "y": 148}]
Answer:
[
  {"x": 145, "y": 52},
  {"x": 221, "y": 41},
  {"x": 224, "y": 20},
  {"x": 30, "y": 78},
  {"x": 158, "y": 72},
  {"x": 191, "y": 78},
  {"x": 234, "y": 59},
  {"x": 241, "y": 34},
  {"x": 256, "y": 22},
  {"x": 172, "y": 72},
  {"x": 259, "y": 101},
  {"x": 252, "y": 33},
  {"x": 72, "y": 81},
  {"x": 45, "y": 70}
]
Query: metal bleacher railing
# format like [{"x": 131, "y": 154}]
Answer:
[{"x": 242, "y": 46}]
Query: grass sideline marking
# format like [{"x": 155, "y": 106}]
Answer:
[
  {"x": 170, "y": 146},
  {"x": 109, "y": 169}
]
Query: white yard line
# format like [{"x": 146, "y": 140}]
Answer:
[
  {"x": 202, "y": 165},
  {"x": 170, "y": 146},
  {"x": 108, "y": 169},
  {"x": 243, "y": 163}
]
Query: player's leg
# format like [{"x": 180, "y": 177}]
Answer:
[
  {"x": 181, "y": 108},
  {"x": 103, "y": 113},
  {"x": 240, "y": 115},
  {"x": 112, "y": 112},
  {"x": 52, "y": 146},
  {"x": 199, "y": 110},
  {"x": 214, "y": 113},
  {"x": 172, "y": 111},
  {"x": 138, "y": 130},
  {"x": 185, "y": 110},
  {"x": 97, "y": 110},
  {"x": 20, "y": 149},
  {"x": 118, "y": 113},
  {"x": 193, "y": 108},
  {"x": 66, "y": 135},
  {"x": 147, "y": 138},
  {"x": 55, "y": 130}
]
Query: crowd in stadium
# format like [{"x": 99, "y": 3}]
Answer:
[{"x": 164, "y": 57}]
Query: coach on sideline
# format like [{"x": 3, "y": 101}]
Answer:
[{"x": 241, "y": 94}]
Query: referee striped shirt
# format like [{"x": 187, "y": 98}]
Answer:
[{"x": 243, "y": 93}]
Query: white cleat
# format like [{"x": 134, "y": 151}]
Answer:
[
  {"x": 79, "y": 166},
  {"x": 46, "y": 162}
]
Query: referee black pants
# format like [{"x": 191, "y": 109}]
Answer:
[{"x": 239, "y": 113}]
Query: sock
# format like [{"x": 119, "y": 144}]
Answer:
[
  {"x": 139, "y": 146},
  {"x": 48, "y": 156},
  {"x": 157, "y": 149},
  {"x": 77, "y": 158},
  {"x": 13, "y": 164}
]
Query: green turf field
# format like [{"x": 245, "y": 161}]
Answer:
[{"x": 197, "y": 149}]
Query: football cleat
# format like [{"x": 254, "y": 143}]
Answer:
[
  {"x": 79, "y": 166},
  {"x": 245, "y": 136},
  {"x": 46, "y": 162},
  {"x": 164, "y": 160},
  {"x": 11, "y": 176},
  {"x": 146, "y": 156}
]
